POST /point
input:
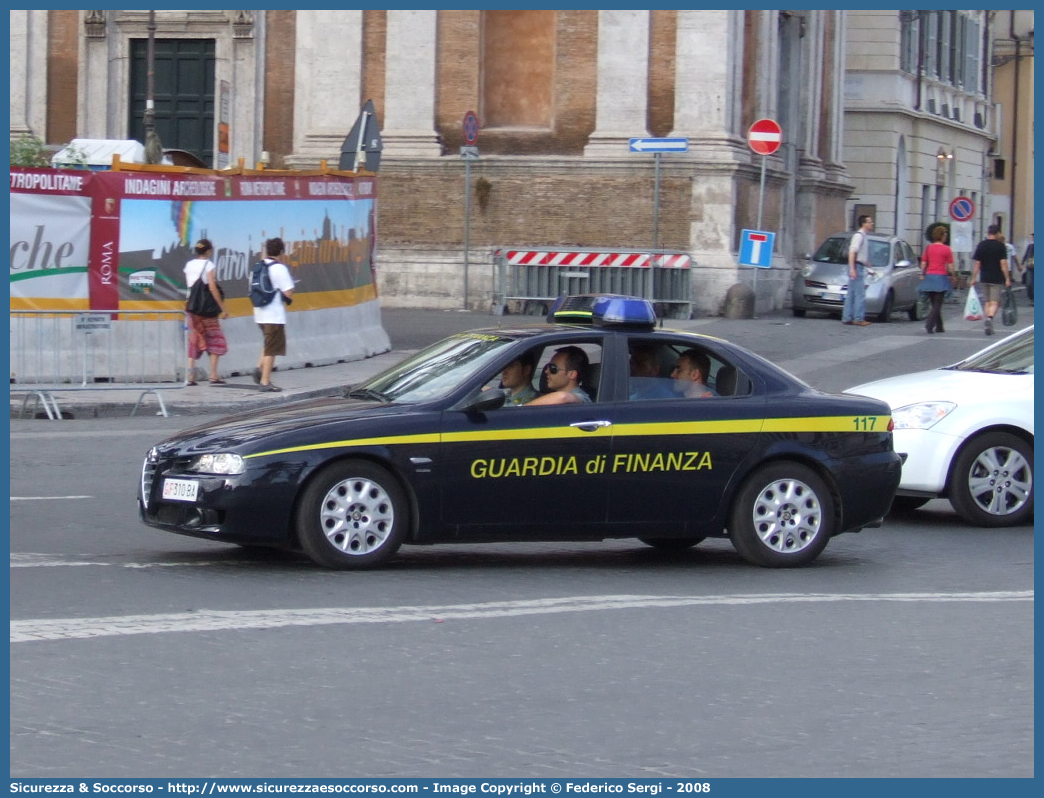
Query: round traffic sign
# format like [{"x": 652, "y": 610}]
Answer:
[
  {"x": 470, "y": 127},
  {"x": 962, "y": 209},
  {"x": 765, "y": 136}
]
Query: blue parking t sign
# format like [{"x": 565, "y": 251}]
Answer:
[{"x": 756, "y": 248}]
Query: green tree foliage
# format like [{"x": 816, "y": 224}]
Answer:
[{"x": 29, "y": 151}]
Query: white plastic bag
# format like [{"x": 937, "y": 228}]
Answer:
[{"x": 972, "y": 306}]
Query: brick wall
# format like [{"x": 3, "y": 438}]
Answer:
[
  {"x": 535, "y": 203},
  {"x": 278, "y": 123},
  {"x": 62, "y": 72}
]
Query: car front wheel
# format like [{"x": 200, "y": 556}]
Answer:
[
  {"x": 992, "y": 480},
  {"x": 352, "y": 515},
  {"x": 783, "y": 516}
]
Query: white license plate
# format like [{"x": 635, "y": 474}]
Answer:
[
  {"x": 180, "y": 490},
  {"x": 834, "y": 297}
]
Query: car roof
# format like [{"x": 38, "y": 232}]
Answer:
[
  {"x": 878, "y": 236},
  {"x": 587, "y": 330}
]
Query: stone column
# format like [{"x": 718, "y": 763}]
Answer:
[
  {"x": 409, "y": 85},
  {"x": 623, "y": 83},
  {"x": 245, "y": 120},
  {"x": 707, "y": 111},
  {"x": 708, "y": 82},
  {"x": 327, "y": 84},
  {"x": 29, "y": 73},
  {"x": 101, "y": 71}
]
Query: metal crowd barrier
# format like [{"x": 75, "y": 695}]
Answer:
[
  {"x": 61, "y": 351},
  {"x": 536, "y": 277}
]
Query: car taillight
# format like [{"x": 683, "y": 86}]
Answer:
[{"x": 891, "y": 424}]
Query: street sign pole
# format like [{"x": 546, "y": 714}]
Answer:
[
  {"x": 656, "y": 206},
  {"x": 764, "y": 138},
  {"x": 467, "y": 224},
  {"x": 761, "y": 194},
  {"x": 658, "y": 146},
  {"x": 470, "y": 126}
]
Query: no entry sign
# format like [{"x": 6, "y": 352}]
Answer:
[{"x": 765, "y": 136}]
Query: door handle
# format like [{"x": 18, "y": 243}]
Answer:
[{"x": 590, "y": 426}]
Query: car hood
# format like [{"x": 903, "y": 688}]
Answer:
[
  {"x": 258, "y": 428},
  {"x": 949, "y": 385}
]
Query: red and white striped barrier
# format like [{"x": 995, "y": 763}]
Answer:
[{"x": 574, "y": 258}]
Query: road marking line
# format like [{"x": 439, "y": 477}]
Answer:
[
  {"x": 49, "y": 561},
  {"x": 23, "y": 631},
  {"x": 45, "y": 498}
]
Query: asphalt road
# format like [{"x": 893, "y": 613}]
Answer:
[{"x": 902, "y": 651}]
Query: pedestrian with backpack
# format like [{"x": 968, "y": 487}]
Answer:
[{"x": 271, "y": 289}]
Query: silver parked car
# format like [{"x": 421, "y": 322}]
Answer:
[{"x": 891, "y": 280}]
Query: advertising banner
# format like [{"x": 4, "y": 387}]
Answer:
[
  {"x": 50, "y": 237},
  {"x": 120, "y": 240}
]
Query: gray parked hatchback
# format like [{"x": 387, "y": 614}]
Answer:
[{"x": 891, "y": 281}]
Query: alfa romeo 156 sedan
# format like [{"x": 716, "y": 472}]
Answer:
[{"x": 429, "y": 452}]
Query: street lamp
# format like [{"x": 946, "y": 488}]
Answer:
[{"x": 153, "y": 146}]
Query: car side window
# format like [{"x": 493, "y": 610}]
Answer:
[
  {"x": 879, "y": 251},
  {"x": 590, "y": 374},
  {"x": 650, "y": 364},
  {"x": 662, "y": 371},
  {"x": 899, "y": 254},
  {"x": 909, "y": 255}
]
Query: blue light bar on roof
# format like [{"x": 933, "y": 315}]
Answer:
[{"x": 604, "y": 310}]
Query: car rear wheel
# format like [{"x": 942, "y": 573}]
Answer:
[
  {"x": 799, "y": 312},
  {"x": 992, "y": 480},
  {"x": 886, "y": 309},
  {"x": 783, "y": 516},
  {"x": 352, "y": 515},
  {"x": 671, "y": 544}
]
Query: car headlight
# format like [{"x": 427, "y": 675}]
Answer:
[
  {"x": 923, "y": 415},
  {"x": 220, "y": 463}
]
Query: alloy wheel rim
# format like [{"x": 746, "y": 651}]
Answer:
[
  {"x": 1000, "y": 481},
  {"x": 356, "y": 516},
  {"x": 787, "y": 516}
]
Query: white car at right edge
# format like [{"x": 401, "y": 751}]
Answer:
[{"x": 966, "y": 431}]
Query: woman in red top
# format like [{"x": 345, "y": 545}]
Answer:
[{"x": 937, "y": 280}]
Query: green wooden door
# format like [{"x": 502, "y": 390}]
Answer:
[{"x": 183, "y": 87}]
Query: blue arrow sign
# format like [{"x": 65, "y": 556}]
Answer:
[{"x": 659, "y": 145}]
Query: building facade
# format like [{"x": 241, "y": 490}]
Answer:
[
  {"x": 558, "y": 96},
  {"x": 1011, "y": 157},
  {"x": 928, "y": 97}
]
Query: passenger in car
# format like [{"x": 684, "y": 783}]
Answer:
[
  {"x": 564, "y": 373},
  {"x": 645, "y": 382},
  {"x": 690, "y": 375},
  {"x": 517, "y": 378}
]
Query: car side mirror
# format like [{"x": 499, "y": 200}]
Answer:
[
  {"x": 902, "y": 264},
  {"x": 489, "y": 399}
]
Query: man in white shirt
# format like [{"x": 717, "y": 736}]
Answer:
[
  {"x": 858, "y": 257},
  {"x": 272, "y": 317}
]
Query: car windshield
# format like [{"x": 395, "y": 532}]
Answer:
[
  {"x": 835, "y": 250},
  {"x": 436, "y": 370},
  {"x": 1014, "y": 356}
]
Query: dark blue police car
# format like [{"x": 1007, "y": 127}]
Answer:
[{"x": 428, "y": 452}]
